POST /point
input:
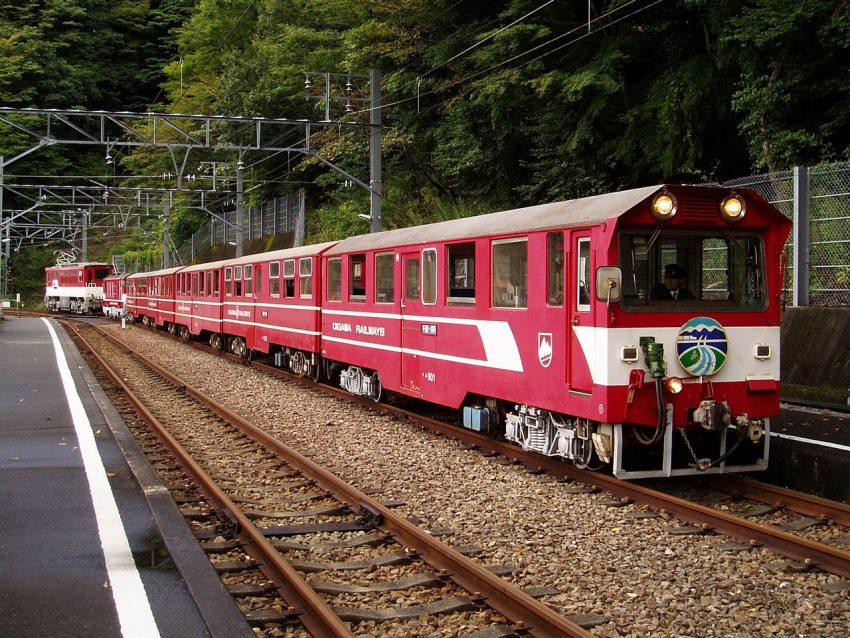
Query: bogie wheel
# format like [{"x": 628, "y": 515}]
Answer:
[
  {"x": 377, "y": 394},
  {"x": 316, "y": 370}
]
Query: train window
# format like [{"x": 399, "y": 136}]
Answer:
[
  {"x": 583, "y": 273},
  {"x": 228, "y": 275},
  {"x": 555, "y": 269},
  {"x": 461, "y": 273},
  {"x": 510, "y": 273},
  {"x": 721, "y": 270},
  {"x": 429, "y": 276},
  {"x": 215, "y": 277},
  {"x": 357, "y": 277},
  {"x": 101, "y": 273},
  {"x": 209, "y": 282},
  {"x": 274, "y": 278},
  {"x": 384, "y": 279},
  {"x": 258, "y": 286},
  {"x": 237, "y": 281},
  {"x": 194, "y": 284},
  {"x": 305, "y": 277},
  {"x": 411, "y": 279},
  {"x": 249, "y": 280},
  {"x": 335, "y": 279},
  {"x": 289, "y": 278}
]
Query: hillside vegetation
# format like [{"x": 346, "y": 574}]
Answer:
[{"x": 488, "y": 105}]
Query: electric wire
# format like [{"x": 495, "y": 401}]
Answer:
[{"x": 472, "y": 76}]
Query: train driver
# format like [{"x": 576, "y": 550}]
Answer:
[{"x": 672, "y": 286}]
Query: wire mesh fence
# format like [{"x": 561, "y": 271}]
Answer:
[
  {"x": 273, "y": 217},
  {"x": 820, "y": 198}
]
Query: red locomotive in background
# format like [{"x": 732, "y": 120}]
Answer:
[
  {"x": 75, "y": 287},
  {"x": 636, "y": 330}
]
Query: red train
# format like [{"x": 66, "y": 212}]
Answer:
[
  {"x": 75, "y": 287},
  {"x": 552, "y": 326},
  {"x": 114, "y": 295}
]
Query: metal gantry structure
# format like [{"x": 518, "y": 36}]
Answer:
[{"x": 46, "y": 218}]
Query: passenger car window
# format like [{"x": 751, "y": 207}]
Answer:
[{"x": 510, "y": 273}]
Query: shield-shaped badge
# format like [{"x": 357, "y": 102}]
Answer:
[{"x": 544, "y": 348}]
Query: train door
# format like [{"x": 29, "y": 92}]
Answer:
[
  {"x": 581, "y": 331},
  {"x": 411, "y": 311}
]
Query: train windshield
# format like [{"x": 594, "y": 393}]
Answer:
[{"x": 683, "y": 269}]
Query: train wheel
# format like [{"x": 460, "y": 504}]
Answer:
[
  {"x": 377, "y": 394},
  {"x": 172, "y": 328},
  {"x": 184, "y": 333},
  {"x": 215, "y": 341},
  {"x": 316, "y": 369},
  {"x": 237, "y": 347}
]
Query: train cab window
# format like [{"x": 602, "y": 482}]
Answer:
[
  {"x": 334, "y": 279},
  {"x": 289, "y": 278},
  {"x": 357, "y": 277},
  {"x": 228, "y": 283},
  {"x": 583, "y": 273},
  {"x": 722, "y": 270},
  {"x": 274, "y": 278},
  {"x": 384, "y": 278},
  {"x": 305, "y": 277},
  {"x": 555, "y": 269},
  {"x": 101, "y": 273},
  {"x": 248, "y": 286},
  {"x": 461, "y": 273},
  {"x": 429, "y": 276},
  {"x": 510, "y": 273}
]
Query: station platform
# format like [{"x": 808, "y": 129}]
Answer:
[{"x": 83, "y": 514}]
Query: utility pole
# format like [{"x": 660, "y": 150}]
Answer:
[
  {"x": 375, "y": 193},
  {"x": 240, "y": 193}
]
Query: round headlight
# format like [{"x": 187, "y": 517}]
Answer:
[
  {"x": 664, "y": 206},
  {"x": 732, "y": 208},
  {"x": 674, "y": 385}
]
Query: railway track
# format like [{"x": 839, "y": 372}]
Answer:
[
  {"x": 826, "y": 522},
  {"x": 819, "y": 540},
  {"x": 266, "y": 511}
]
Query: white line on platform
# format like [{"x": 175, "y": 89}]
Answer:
[
  {"x": 128, "y": 592},
  {"x": 800, "y": 439}
]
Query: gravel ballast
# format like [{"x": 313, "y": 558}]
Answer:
[{"x": 606, "y": 560}]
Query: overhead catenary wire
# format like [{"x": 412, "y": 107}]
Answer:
[{"x": 584, "y": 35}]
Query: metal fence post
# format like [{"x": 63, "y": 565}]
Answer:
[{"x": 802, "y": 221}]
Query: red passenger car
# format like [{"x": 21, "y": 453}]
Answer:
[
  {"x": 150, "y": 297},
  {"x": 540, "y": 322},
  {"x": 271, "y": 306},
  {"x": 75, "y": 287},
  {"x": 114, "y": 295}
]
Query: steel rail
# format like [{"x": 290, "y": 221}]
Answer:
[
  {"x": 518, "y": 607},
  {"x": 825, "y": 557},
  {"x": 781, "y": 497},
  {"x": 811, "y": 553},
  {"x": 318, "y": 618}
]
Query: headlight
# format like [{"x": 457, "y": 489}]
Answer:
[
  {"x": 674, "y": 385},
  {"x": 664, "y": 206},
  {"x": 732, "y": 208}
]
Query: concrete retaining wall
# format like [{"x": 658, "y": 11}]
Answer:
[{"x": 815, "y": 354}]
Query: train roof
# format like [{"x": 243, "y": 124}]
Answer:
[
  {"x": 574, "y": 212},
  {"x": 81, "y": 264},
  {"x": 155, "y": 273},
  {"x": 284, "y": 253}
]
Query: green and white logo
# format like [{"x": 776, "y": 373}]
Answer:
[{"x": 702, "y": 346}]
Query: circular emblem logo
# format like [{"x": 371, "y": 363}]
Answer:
[{"x": 702, "y": 346}]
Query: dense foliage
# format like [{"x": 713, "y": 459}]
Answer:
[{"x": 488, "y": 105}]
